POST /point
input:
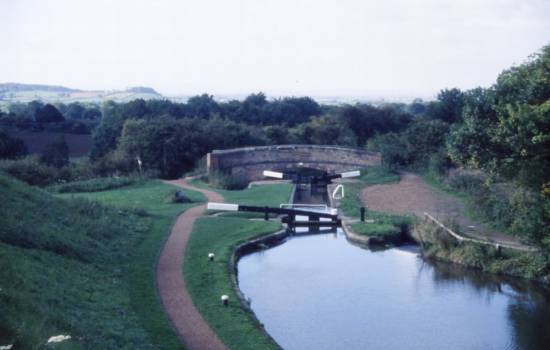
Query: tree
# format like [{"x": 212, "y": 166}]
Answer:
[
  {"x": 75, "y": 111},
  {"x": 49, "y": 114},
  {"x": 448, "y": 106},
  {"x": 108, "y": 131},
  {"x": 11, "y": 148},
  {"x": 56, "y": 153},
  {"x": 92, "y": 114},
  {"x": 471, "y": 143},
  {"x": 325, "y": 130},
  {"x": 202, "y": 106}
]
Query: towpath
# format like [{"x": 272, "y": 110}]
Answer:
[
  {"x": 411, "y": 195},
  {"x": 178, "y": 305}
]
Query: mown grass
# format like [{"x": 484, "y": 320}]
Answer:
[
  {"x": 384, "y": 224},
  {"x": 272, "y": 195},
  {"x": 375, "y": 229},
  {"x": 83, "y": 265},
  {"x": 207, "y": 281}
]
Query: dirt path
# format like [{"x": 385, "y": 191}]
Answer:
[
  {"x": 185, "y": 318},
  {"x": 412, "y": 195}
]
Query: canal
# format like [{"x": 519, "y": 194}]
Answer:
[{"x": 321, "y": 292}]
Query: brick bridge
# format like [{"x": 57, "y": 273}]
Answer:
[{"x": 250, "y": 162}]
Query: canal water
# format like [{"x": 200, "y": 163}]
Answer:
[{"x": 321, "y": 292}]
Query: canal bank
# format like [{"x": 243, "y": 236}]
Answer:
[
  {"x": 505, "y": 258},
  {"x": 225, "y": 236}
]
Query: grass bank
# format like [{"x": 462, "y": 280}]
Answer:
[
  {"x": 207, "y": 281},
  {"x": 387, "y": 227},
  {"x": 271, "y": 195},
  {"x": 82, "y": 264},
  {"x": 438, "y": 245}
]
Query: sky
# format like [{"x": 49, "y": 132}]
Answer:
[{"x": 373, "y": 48}]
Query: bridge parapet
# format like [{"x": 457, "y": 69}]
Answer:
[{"x": 249, "y": 162}]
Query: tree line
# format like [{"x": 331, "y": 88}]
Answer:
[{"x": 486, "y": 138}]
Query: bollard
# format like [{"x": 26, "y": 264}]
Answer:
[
  {"x": 362, "y": 214},
  {"x": 211, "y": 256},
  {"x": 266, "y": 215},
  {"x": 225, "y": 300}
]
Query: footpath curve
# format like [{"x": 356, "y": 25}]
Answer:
[{"x": 178, "y": 305}]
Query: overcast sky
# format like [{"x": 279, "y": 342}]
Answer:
[{"x": 342, "y": 47}]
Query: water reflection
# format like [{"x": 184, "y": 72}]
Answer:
[
  {"x": 529, "y": 304},
  {"x": 317, "y": 292}
]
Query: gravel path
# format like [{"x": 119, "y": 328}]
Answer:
[
  {"x": 411, "y": 195},
  {"x": 178, "y": 305}
]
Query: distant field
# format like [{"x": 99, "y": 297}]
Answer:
[{"x": 79, "y": 145}]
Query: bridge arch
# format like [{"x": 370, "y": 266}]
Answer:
[{"x": 250, "y": 162}]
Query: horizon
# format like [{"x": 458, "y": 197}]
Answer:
[{"x": 354, "y": 50}]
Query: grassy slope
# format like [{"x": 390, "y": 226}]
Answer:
[
  {"x": 207, "y": 281},
  {"x": 385, "y": 224},
  {"x": 80, "y": 268}
]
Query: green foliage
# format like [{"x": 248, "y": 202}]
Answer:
[
  {"x": 30, "y": 170},
  {"x": 48, "y": 114},
  {"x": 375, "y": 229},
  {"x": 56, "y": 153},
  {"x": 224, "y": 181},
  {"x": 415, "y": 145},
  {"x": 94, "y": 185},
  {"x": 514, "y": 209},
  {"x": 440, "y": 245},
  {"x": 11, "y": 148},
  {"x": 365, "y": 120},
  {"x": 448, "y": 106},
  {"x": 325, "y": 130},
  {"x": 506, "y": 128},
  {"x": 208, "y": 280}
]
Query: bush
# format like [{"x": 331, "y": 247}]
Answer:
[
  {"x": 11, "y": 148},
  {"x": 48, "y": 114},
  {"x": 30, "y": 170},
  {"x": 468, "y": 181},
  {"x": 94, "y": 185},
  {"x": 115, "y": 163},
  {"x": 226, "y": 181},
  {"x": 56, "y": 153}
]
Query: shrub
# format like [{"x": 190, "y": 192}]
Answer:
[
  {"x": 48, "y": 114},
  {"x": 11, "y": 148},
  {"x": 94, "y": 185},
  {"x": 226, "y": 181},
  {"x": 114, "y": 163},
  {"x": 56, "y": 153},
  {"x": 468, "y": 181},
  {"x": 30, "y": 170}
]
